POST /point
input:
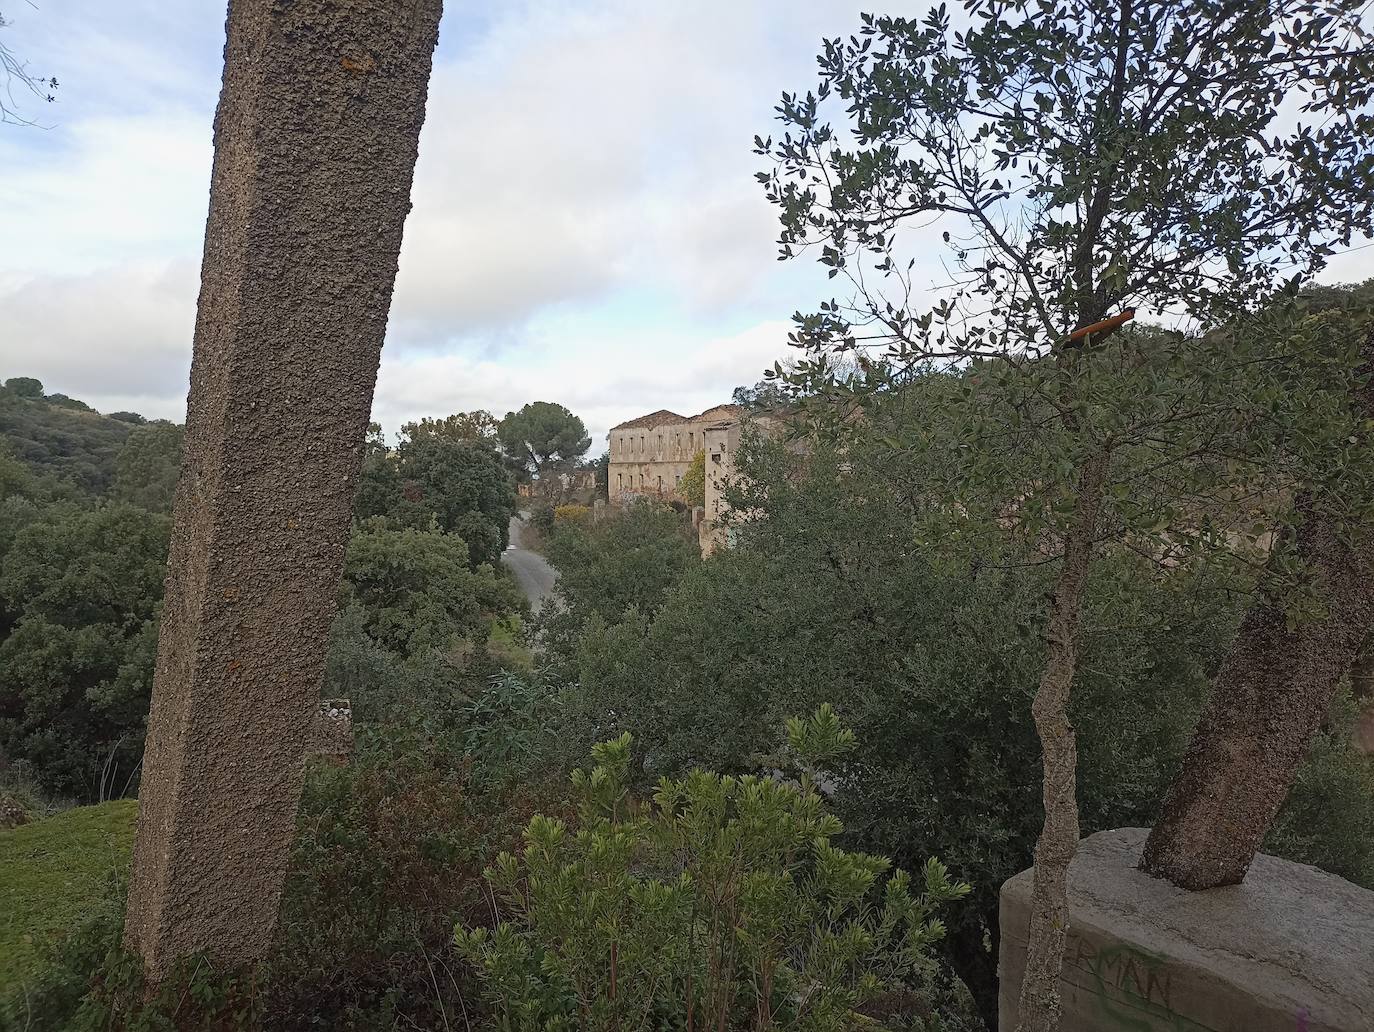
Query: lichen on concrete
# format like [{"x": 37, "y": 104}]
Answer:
[{"x": 1288, "y": 950}]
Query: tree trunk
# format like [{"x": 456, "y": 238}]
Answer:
[
  {"x": 1038, "y": 1008},
  {"x": 1362, "y": 688},
  {"x": 1270, "y": 697}
]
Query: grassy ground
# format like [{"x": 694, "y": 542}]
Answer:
[{"x": 51, "y": 872}]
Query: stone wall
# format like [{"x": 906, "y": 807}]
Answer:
[
  {"x": 1289, "y": 950},
  {"x": 650, "y": 455}
]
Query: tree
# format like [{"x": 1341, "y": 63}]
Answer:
[
  {"x": 77, "y": 668},
  {"x": 77, "y": 446},
  {"x": 477, "y": 425},
  {"x": 147, "y": 467},
  {"x": 1275, "y": 688},
  {"x": 625, "y": 562},
  {"x": 451, "y": 481},
  {"x": 543, "y": 437},
  {"x": 1086, "y": 160},
  {"x": 720, "y": 903},
  {"x": 15, "y": 72},
  {"x": 24, "y": 387},
  {"x": 417, "y": 593},
  {"x": 833, "y": 591},
  {"x": 601, "y": 467},
  {"x": 693, "y": 486},
  {"x": 765, "y": 394}
]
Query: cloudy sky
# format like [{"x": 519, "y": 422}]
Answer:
[{"x": 586, "y": 226}]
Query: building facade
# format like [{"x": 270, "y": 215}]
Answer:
[{"x": 650, "y": 455}]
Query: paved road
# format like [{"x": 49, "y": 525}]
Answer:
[{"x": 531, "y": 569}]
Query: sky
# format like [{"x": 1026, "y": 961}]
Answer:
[{"x": 586, "y": 225}]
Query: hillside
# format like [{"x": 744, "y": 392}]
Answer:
[{"x": 62, "y": 437}]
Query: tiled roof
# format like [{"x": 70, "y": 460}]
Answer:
[
  {"x": 663, "y": 416},
  {"x": 652, "y": 420},
  {"x": 718, "y": 412}
]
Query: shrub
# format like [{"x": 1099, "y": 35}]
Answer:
[
  {"x": 542, "y": 518},
  {"x": 577, "y": 514},
  {"x": 388, "y": 855},
  {"x": 721, "y": 903}
]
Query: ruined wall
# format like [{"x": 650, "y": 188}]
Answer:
[
  {"x": 650, "y": 455},
  {"x": 651, "y": 460},
  {"x": 722, "y": 442},
  {"x": 1288, "y": 950}
]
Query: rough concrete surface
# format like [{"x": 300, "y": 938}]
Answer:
[
  {"x": 1291, "y": 949},
  {"x": 315, "y": 145}
]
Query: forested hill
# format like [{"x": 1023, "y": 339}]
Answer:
[{"x": 62, "y": 437}]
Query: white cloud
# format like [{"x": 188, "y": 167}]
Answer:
[
  {"x": 618, "y": 379},
  {"x": 116, "y": 339},
  {"x": 586, "y": 226},
  {"x": 572, "y": 154}
]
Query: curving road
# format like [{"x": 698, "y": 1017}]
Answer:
[{"x": 531, "y": 569}]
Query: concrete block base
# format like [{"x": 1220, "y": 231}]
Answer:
[{"x": 1289, "y": 950}]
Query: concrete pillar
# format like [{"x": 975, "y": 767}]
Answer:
[
  {"x": 1286, "y": 951},
  {"x": 315, "y": 145}
]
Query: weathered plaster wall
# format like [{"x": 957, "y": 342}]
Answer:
[
  {"x": 651, "y": 454},
  {"x": 721, "y": 442},
  {"x": 642, "y": 457},
  {"x": 1289, "y": 950},
  {"x": 315, "y": 145}
]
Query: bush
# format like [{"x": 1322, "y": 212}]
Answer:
[
  {"x": 627, "y": 561},
  {"x": 542, "y": 518},
  {"x": 1328, "y": 818},
  {"x": 388, "y": 855},
  {"x": 576, "y": 514},
  {"x": 85, "y": 588},
  {"x": 722, "y": 903},
  {"x": 830, "y": 595}
]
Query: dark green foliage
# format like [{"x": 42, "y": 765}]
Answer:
[
  {"x": 24, "y": 387},
  {"x": 543, "y": 438},
  {"x": 414, "y": 619},
  {"x": 721, "y": 903},
  {"x": 418, "y": 591},
  {"x": 387, "y": 857},
  {"x": 147, "y": 467},
  {"x": 128, "y": 417},
  {"x": 541, "y": 517},
  {"x": 453, "y": 482},
  {"x": 83, "y": 587},
  {"x": 931, "y": 648},
  {"x": 62, "y": 401},
  {"x": 76, "y": 446},
  {"x": 625, "y": 562},
  {"x": 1328, "y": 818}
]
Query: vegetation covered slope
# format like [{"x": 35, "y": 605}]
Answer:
[
  {"x": 52, "y": 435},
  {"x": 51, "y": 872}
]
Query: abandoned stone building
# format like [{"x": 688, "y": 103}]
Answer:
[{"x": 651, "y": 454}]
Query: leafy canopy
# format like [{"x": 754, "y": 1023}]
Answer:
[
  {"x": 723, "y": 902},
  {"x": 543, "y": 437}
]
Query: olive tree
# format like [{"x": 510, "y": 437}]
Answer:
[{"x": 1081, "y": 161}]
